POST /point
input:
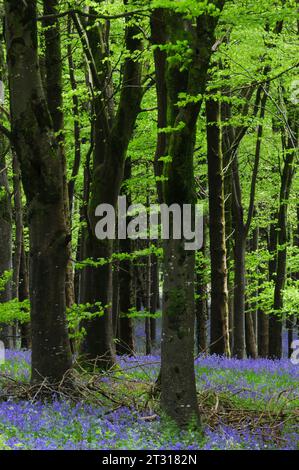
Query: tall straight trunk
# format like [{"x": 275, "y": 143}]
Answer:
[
  {"x": 40, "y": 158},
  {"x": 53, "y": 90},
  {"x": 112, "y": 135},
  {"x": 254, "y": 245},
  {"x": 126, "y": 344},
  {"x": 18, "y": 216},
  {"x": 154, "y": 304},
  {"x": 19, "y": 235},
  {"x": 262, "y": 320},
  {"x": 80, "y": 255},
  {"x": 290, "y": 148},
  {"x": 5, "y": 222},
  {"x": 219, "y": 294},
  {"x": 21, "y": 278},
  {"x": 25, "y": 328},
  {"x": 241, "y": 229},
  {"x": 148, "y": 293},
  {"x": 239, "y": 294},
  {"x": 202, "y": 299},
  {"x": 6, "y": 332},
  {"x": 228, "y": 137},
  {"x": 178, "y": 387},
  {"x": 251, "y": 313},
  {"x": 115, "y": 292},
  {"x": 75, "y": 111}
]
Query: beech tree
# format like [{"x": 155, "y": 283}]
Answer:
[
  {"x": 112, "y": 132},
  {"x": 177, "y": 374},
  {"x": 39, "y": 153}
]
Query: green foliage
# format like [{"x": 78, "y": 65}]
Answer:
[
  {"x": 4, "y": 279},
  {"x": 134, "y": 313},
  {"x": 3, "y": 446},
  {"x": 78, "y": 313},
  {"x": 13, "y": 311}
]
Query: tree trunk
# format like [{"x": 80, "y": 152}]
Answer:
[
  {"x": 219, "y": 293},
  {"x": 251, "y": 313},
  {"x": 290, "y": 146},
  {"x": 5, "y": 223},
  {"x": 126, "y": 344},
  {"x": 228, "y": 137},
  {"x": 148, "y": 274},
  {"x": 53, "y": 89},
  {"x": 262, "y": 327},
  {"x": 112, "y": 135},
  {"x": 202, "y": 300},
  {"x": 25, "y": 328},
  {"x": 251, "y": 345},
  {"x": 178, "y": 388},
  {"x": 154, "y": 296},
  {"x": 239, "y": 295},
  {"x": 40, "y": 158}
]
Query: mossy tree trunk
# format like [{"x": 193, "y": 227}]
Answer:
[
  {"x": 53, "y": 89},
  {"x": 40, "y": 158},
  {"x": 178, "y": 388}
]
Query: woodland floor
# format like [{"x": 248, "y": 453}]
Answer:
[{"x": 244, "y": 405}]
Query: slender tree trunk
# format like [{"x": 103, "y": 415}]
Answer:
[
  {"x": 5, "y": 223},
  {"x": 126, "y": 343},
  {"x": 76, "y": 111},
  {"x": 112, "y": 136},
  {"x": 262, "y": 327},
  {"x": 228, "y": 137},
  {"x": 115, "y": 292},
  {"x": 154, "y": 296},
  {"x": 290, "y": 147},
  {"x": 148, "y": 273},
  {"x": 25, "y": 328},
  {"x": 241, "y": 228},
  {"x": 251, "y": 313},
  {"x": 202, "y": 300},
  {"x": 219, "y": 294},
  {"x": 239, "y": 295},
  {"x": 6, "y": 240},
  {"x": 18, "y": 216},
  {"x": 251, "y": 345}
]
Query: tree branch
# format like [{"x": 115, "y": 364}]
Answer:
[{"x": 91, "y": 15}]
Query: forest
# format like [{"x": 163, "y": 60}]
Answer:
[{"x": 149, "y": 224}]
